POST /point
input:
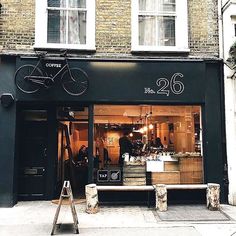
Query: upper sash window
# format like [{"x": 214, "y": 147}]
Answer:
[
  {"x": 159, "y": 25},
  {"x": 65, "y": 24}
]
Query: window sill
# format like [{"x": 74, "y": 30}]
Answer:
[
  {"x": 63, "y": 46},
  {"x": 160, "y": 49}
]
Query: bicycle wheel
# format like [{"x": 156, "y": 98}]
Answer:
[
  {"x": 23, "y": 84},
  {"x": 75, "y": 82}
]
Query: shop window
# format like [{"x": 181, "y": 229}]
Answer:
[
  {"x": 159, "y": 25},
  {"x": 163, "y": 144},
  {"x": 68, "y": 24}
]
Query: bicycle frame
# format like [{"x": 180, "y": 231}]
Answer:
[
  {"x": 29, "y": 78},
  {"x": 38, "y": 79}
]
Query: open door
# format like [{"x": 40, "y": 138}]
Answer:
[{"x": 72, "y": 135}]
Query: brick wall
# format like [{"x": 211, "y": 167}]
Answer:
[
  {"x": 113, "y": 27},
  {"x": 203, "y": 27},
  {"x": 17, "y": 24}
]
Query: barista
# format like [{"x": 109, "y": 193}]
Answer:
[{"x": 125, "y": 146}]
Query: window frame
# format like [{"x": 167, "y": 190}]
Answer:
[
  {"x": 181, "y": 30},
  {"x": 41, "y": 20}
]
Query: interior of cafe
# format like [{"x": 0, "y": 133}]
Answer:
[{"x": 165, "y": 145}]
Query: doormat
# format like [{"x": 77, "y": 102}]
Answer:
[
  {"x": 190, "y": 213},
  {"x": 66, "y": 201}
]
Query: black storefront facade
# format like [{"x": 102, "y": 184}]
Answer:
[{"x": 112, "y": 82}]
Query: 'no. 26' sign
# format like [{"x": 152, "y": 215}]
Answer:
[{"x": 167, "y": 86}]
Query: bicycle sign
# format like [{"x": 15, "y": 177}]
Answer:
[{"x": 30, "y": 78}]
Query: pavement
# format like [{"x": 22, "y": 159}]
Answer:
[{"x": 35, "y": 218}]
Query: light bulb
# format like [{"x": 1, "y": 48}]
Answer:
[{"x": 150, "y": 126}]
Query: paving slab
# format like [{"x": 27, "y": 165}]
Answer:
[
  {"x": 191, "y": 213},
  {"x": 36, "y": 218}
]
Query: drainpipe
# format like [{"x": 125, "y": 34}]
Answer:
[{"x": 221, "y": 30}]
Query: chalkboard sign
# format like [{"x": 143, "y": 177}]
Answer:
[
  {"x": 115, "y": 175},
  {"x": 102, "y": 175}
]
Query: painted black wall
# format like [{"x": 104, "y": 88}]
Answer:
[
  {"x": 7, "y": 136},
  {"x": 214, "y": 131},
  {"x": 125, "y": 81},
  {"x": 121, "y": 82}
]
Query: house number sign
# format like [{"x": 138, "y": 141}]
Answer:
[{"x": 167, "y": 86}]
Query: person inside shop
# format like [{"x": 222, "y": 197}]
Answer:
[
  {"x": 125, "y": 147},
  {"x": 98, "y": 161},
  {"x": 158, "y": 144},
  {"x": 107, "y": 160},
  {"x": 82, "y": 155}
]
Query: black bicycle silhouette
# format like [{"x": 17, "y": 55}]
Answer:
[{"x": 30, "y": 78}]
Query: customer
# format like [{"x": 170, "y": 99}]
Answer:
[
  {"x": 125, "y": 147},
  {"x": 159, "y": 144},
  {"x": 83, "y": 154}
]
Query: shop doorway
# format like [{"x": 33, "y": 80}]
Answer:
[
  {"x": 33, "y": 155},
  {"x": 72, "y": 154}
]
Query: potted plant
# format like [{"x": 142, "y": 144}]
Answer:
[{"x": 232, "y": 51}]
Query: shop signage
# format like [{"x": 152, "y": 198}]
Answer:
[
  {"x": 108, "y": 175},
  {"x": 102, "y": 176},
  {"x": 138, "y": 81},
  {"x": 167, "y": 86},
  {"x": 51, "y": 67},
  {"x": 115, "y": 175}
]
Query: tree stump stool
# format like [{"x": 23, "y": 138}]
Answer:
[
  {"x": 91, "y": 198},
  {"x": 161, "y": 197},
  {"x": 213, "y": 197}
]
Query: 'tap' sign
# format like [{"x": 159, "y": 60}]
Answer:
[{"x": 108, "y": 175}]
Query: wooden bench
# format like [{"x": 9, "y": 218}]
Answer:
[{"x": 212, "y": 192}]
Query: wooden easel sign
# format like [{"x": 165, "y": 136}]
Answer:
[{"x": 66, "y": 194}]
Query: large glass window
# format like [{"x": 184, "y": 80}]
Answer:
[
  {"x": 65, "y": 23},
  {"x": 158, "y": 25},
  {"x": 164, "y": 141}
]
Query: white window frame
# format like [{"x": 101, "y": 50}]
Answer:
[
  {"x": 41, "y": 19},
  {"x": 181, "y": 30}
]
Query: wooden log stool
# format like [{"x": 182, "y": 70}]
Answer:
[
  {"x": 91, "y": 198},
  {"x": 161, "y": 197},
  {"x": 213, "y": 197}
]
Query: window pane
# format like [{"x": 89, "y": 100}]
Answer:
[
  {"x": 147, "y": 30},
  {"x": 56, "y": 26},
  {"x": 157, "y": 5},
  {"x": 168, "y": 5},
  {"x": 147, "y": 5},
  {"x": 166, "y": 31},
  {"x": 77, "y": 3},
  {"x": 156, "y": 31},
  {"x": 57, "y": 3},
  {"x": 77, "y": 27}
]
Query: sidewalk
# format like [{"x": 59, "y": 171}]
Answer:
[{"x": 35, "y": 218}]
